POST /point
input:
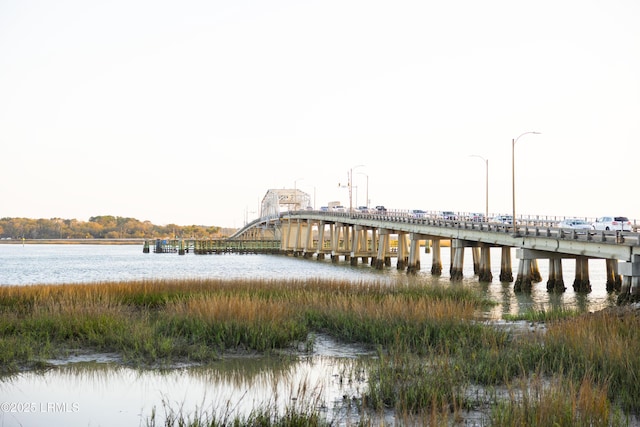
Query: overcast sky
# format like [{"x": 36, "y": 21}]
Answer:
[{"x": 188, "y": 111}]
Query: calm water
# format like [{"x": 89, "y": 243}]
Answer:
[{"x": 97, "y": 391}]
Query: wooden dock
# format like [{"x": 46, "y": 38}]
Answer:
[{"x": 211, "y": 246}]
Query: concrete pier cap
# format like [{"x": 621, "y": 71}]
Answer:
[{"x": 630, "y": 268}]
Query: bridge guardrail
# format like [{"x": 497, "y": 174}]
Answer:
[{"x": 540, "y": 227}]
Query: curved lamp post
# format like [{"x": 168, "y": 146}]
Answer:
[{"x": 513, "y": 178}]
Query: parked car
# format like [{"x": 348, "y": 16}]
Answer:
[
  {"x": 448, "y": 215},
  {"x": 574, "y": 223},
  {"x": 607, "y": 223},
  {"x": 418, "y": 213},
  {"x": 503, "y": 219}
]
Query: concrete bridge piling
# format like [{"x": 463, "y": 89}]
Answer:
[{"x": 436, "y": 264}]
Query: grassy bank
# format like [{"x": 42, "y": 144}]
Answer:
[{"x": 432, "y": 350}]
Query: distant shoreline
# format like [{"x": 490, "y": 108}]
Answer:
[{"x": 72, "y": 241}]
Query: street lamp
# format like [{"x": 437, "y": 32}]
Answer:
[
  {"x": 513, "y": 177},
  {"x": 367, "y": 200},
  {"x": 350, "y": 186},
  {"x": 486, "y": 186}
]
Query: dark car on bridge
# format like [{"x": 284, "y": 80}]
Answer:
[
  {"x": 448, "y": 215},
  {"x": 381, "y": 209}
]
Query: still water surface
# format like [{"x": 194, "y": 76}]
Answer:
[{"x": 96, "y": 390}]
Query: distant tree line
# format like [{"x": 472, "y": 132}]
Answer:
[{"x": 102, "y": 227}]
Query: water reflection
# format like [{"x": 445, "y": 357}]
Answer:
[{"x": 107, "y": 393}]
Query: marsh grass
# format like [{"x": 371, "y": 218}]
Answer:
[
  {"x": 431, "y": 347},
  {"x": 560, "y": 401},
  {"x": 165, "y": 321},
  {"x": 542, "y": 315},
  {"x": 603, "y": 346}
]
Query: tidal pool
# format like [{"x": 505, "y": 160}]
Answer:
[{"x": 99, "y": 391}]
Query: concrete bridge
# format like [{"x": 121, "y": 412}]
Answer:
[{"x": 375, "y": 238}]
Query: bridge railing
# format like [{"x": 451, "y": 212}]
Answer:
[
  {"x": 532, "y": 220},
  {"x": 527, "y": 226}
]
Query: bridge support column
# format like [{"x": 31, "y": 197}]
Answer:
[
  {"x": 535, "y": 271},
  {"x": 523, "y": 279},
  {"x": 383, "y": 250},
  {"x": 286, "y": 233},
  {"x": 484, "y": 270},
  {"x": 475, "y": 255},
  {"x": 320, "y": 247},
  {"x": 457, "y": 248},
  {"x": 355, "y": 244},
  {"x": 335, "y": 242},
  {"x": 414, "y": 254},
  {"x": 528, "y": 271},
  {"x": 614, "y": 281},
  {"x": 403, "y": 252},
  {"x": 436, "y": 266},
  {"x": 375, "y": 236},
  {"x": 581, "y": 282},
  {"x": 346, "y": 241},
  {"x": 635, "y": 287},
  {"x": 630, "y": 291},
  {"x": 297, "y": 242},
  {"x": 506, "y": 271},
  {"x": 358, "y": 245},
  {"x": 555, "y": 283},
  {"x": 307, "y": 247},
  {"x": 365, "y": 245}
]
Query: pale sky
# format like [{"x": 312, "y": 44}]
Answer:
[{"x": 188, "y": 111}]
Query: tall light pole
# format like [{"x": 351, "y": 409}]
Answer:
[
  {"x": 486, "y": 186},
  {"x": 350, "y": 186},
  {"x": 513, "y": 177},
  {"x": 367, "y": 200}
]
